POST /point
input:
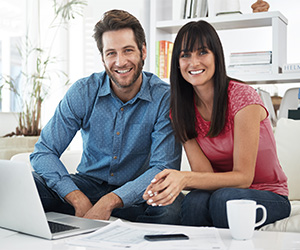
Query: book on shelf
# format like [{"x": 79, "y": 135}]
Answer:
[
  {"x": 249, "y": 69},
  {"x": 157, "y": 60},
  {"x": 169, "y": 57},
  {"x": 184, "y": 9},
  {"x": 178, "y": 7},
  {"x": 291, "y": 68},
  {"x": 188, "y": 9},
  {"x": 200, "y": 8},
  {"x": 164, "y": 50},
  {"x": 256, "y": 57}
]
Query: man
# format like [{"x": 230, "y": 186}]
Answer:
[{"x": 123, "y": 115}]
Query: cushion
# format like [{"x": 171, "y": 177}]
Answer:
[{"x": 287, "y": 136}]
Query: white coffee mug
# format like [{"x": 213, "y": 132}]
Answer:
[{"x": 241, "y": 216}]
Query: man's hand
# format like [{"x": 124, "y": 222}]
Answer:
[
  {"x": 103, "y": 208},
  {"x": 79, "y": 201}
]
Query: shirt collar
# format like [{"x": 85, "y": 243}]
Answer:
[
  {"x": 143, "y": 94},
  {"x": 105, "y": 89}
]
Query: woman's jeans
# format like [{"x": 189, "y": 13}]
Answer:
[{"x": 208, "y": 208}]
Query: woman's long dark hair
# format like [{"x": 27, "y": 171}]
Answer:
[{"x": 193, "y": 35}]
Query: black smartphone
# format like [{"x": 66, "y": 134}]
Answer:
[{"x": 157, "y": 237}]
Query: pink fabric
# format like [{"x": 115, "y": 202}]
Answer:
[{"x": 219, "y": 150}]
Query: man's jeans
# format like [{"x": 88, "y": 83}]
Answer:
[
  {"x": 208, "y": 208},
  {"x": 138, "y": 213}
]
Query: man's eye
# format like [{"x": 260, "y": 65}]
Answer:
[
  {"x": 128, "y": 50},
  {"x": 110, "y": 53}
]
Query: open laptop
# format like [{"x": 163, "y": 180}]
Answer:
[{"x": 21, "y": 208}]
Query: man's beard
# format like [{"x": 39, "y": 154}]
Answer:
[{"x": 134, "y": 79}]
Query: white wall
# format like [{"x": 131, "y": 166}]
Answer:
[
  {"x": 85, "y": 58},
  {"x": 79, "y": 47}
]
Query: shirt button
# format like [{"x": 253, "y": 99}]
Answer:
[
  {"x": 122, "y": 109},
  {"x": 111, "y": 174},
  {"x": 115, "y": 157},
  {"x": 118, "y": 133}
]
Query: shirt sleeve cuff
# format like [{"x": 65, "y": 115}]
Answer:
[
  {"x": 128, "y": 198},
  {"x": 65, "y": 186}
]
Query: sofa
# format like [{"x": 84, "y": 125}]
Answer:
[{"x": 287, "y": 136}]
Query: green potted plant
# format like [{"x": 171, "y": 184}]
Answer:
[{"x": 38, "y": 68}]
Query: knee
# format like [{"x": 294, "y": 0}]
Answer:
[
  {"x": 217, "y": 206},
  {"x": 37, "y": 177},
  {"x": 189, "y": 200},
  {"x": 225, "y": 194},
  {"x": 39, "y": 181},
  {"x": 189, "y": 204},
  {"x": 163, "y": 214},
  {"x": 172, "y": 212},
  {"x": 194, "y": 210}
]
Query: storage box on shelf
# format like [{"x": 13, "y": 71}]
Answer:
[{"x": 164, "y": 27}]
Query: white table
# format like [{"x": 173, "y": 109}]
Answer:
[{"x": 10, "y": 240}]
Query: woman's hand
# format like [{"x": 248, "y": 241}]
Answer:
[{"x": 165, "y": 187}]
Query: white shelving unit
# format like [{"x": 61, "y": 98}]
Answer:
[{"x": 163, "y": 27}]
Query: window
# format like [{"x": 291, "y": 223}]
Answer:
[
  {"x": 0, "y": 72},
  {"x": 15, "y": 72},
  {"x": 12, "y": 29}
]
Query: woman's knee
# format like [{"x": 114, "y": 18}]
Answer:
[
  {"x": 195, "y": 208},
  {"x": 194, "y": 198}
]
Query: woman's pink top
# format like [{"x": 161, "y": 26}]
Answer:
[{"x": 219, "y": 150}]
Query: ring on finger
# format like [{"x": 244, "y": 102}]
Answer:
[{"x": 171, "y": 195}]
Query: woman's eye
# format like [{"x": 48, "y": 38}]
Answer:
[
  {"x": 185, "y": 55},
  {"x": 203, "y": 52}
]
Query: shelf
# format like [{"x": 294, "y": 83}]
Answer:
[
  {"x": 225, "y": 22},
  {"x": 265, "y": 78},
  {"x": 270, "y": 78},
  {"x": 164, "y": 28}
]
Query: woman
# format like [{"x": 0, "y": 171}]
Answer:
[{"x": 227, "y": 136}]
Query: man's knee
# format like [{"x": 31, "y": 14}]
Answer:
[{"x": 39, "y": 182}]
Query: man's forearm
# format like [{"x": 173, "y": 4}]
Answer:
[
  {"x": 79, "y": 201},
  {"x": 103, "y": 208}
]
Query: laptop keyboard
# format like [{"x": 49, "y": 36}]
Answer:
[{"x": 57, "y": 227}]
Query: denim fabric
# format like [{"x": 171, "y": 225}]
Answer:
[
  {"x": 208, "y": 208},
  {"x": 141, "y": 212},
  {"x": 124, "y": 144}
]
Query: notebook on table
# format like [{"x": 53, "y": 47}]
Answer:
[{"x": 21, "y": 209}]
